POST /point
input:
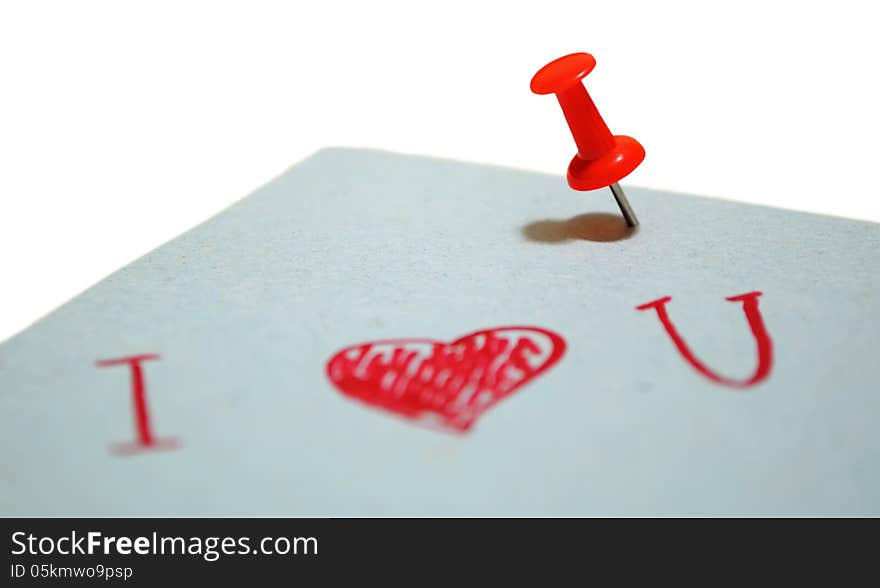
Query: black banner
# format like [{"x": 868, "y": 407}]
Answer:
[{"x": 151, "y": 552}]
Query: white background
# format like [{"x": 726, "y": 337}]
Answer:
[{"x": 122, "y": 124}]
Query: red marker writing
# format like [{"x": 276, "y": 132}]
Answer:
[{"x": 145, "y": 440}]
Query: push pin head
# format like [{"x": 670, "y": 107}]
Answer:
[
  {"x": 560, "y": 74},
  {"x": 602, "y": 159}
]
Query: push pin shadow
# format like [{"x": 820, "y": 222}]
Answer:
[{"x": 602, "y": 159}]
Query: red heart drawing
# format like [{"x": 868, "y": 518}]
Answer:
[{"x": 445, "y": 384}]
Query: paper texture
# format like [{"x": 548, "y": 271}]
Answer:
[{"x": 353, "y": 247}]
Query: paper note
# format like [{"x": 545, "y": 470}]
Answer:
[{"x": 380, "y": 334}]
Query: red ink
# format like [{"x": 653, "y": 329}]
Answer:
[
  {"x": 145, "y": 441},
  {"x": 444, "y": 384},
  {"x": 756, "y": 324}
]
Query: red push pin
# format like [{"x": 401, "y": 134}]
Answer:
[{"x": 602, "y": 159}]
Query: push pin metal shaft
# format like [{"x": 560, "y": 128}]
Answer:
[
  {"x": 628, "y": 213},
  {"x": 602, "y": 158}
]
